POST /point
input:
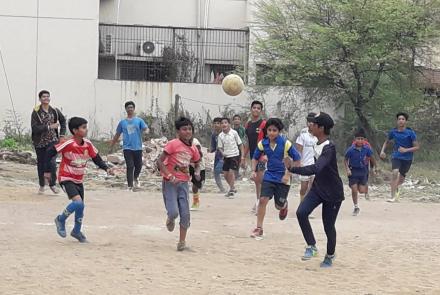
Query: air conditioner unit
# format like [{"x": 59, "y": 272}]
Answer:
[
  {"x": 108, "y": 44},
  {"x": 151, "y": 49}
]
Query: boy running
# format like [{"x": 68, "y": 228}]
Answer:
[
  {"x": 304, "y": 144},
  {"x": 276, "y": 180},
  {"x": 405, "y": 144},
  {"x": 174, "y": 163},
  {"x": 218, "y": 160},
  {"x": 197, "y": 183},
  {"x": 357, "y": 160},
  {"x": 327, "y": 189},
  {"x": 229, "y": 144},
  {"x": 75, "y": 154}
]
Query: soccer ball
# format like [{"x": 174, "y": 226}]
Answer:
[{"x": 232, "y": 85}]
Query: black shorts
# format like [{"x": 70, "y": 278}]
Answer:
[
  {"x": 73, "y": 189},
  {"x": 195, "y": 182},
  {"x": 231, "y": 163},
  {"x": 358, "y": 179},
  {"x": 402, "y": 165},
  {"x": 278, "y": 190}
]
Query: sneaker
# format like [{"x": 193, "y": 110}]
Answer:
[
  {"x": 129, "y": 189},
  {"x": 41, "y": 190},
  {"x": 397, "y": 195},
  {"x": 311, "y": 251},
  {"x": 55, "y": 190},
  {"x": 136, "y": 184},
  {"x": 391, "y": 200},
  {"x": 367, "y": 197},
  {"x": 356, "y": 211},
  {"x": 170, "y": 224},
  {"x": 61, "y": 227},
  {"x": 79, "y": 236},
  {"x": 181, "y": 246},
  {"x": 283, "y": 212},
  {"x": 230, "y": 194},
  {"x": 234, "y": 190},
  {"x": 328, "y": 261},
  {"x": 195, "y": 206},
  {"x": 257, "y": 233}
]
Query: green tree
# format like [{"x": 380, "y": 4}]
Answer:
[{"x": 358, "y": 48}]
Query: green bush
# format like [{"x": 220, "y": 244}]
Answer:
[{"x": 8, "y": 143}]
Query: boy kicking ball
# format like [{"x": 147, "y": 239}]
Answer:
[
  {"x": 75, "y": 154},
  {"x": 276, "y": 179}
]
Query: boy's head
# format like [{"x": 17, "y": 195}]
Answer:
[
  {"x": 184, "y": 128},
  {"x": 236, "y": 120},
  {"x": 322, "y": 123},
  {"x": 78, "y": 127},
  {"x": 273, "y": 128},
  {"x": 226, "y": 124},
  {"x": 217, "y": 124},
  {"x": 310, "y": 118},
  {"x": 359, "y": 137},
  {"x": 402, "y": 118},
  {"x": 44, "y": 97},
  {"x": 256, "y": 108},
  {"x": 130, "y": 107}
]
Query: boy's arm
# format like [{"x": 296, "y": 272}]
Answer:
[
  {"x": 316, "y": 168},
  {"x": 51, "y": 153},
  {"x": 347, "y": 167},
  {"x": 62, "y": 121},
  {"x": 163, "y": 168},
  {"x": 415, "y": 148},
  {"x": 100, "y": 163},
  {"x": 36, "y": 126}
]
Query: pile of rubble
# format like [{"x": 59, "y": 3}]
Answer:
[{"x": 18, "y": 156}]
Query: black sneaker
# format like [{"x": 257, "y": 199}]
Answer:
[
  {"x": 356, "y": 211},
  {"x": 79, "y": 236}
]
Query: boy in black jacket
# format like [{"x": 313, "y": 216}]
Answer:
[{"x": 327, "y": 189}]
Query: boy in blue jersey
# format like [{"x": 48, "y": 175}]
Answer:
[
  {"x": 131, "y": 129},
  {"x": 357, "y": 160},
  {"x": 405, "y": 144},
  {"x": 276, "y": 179}
]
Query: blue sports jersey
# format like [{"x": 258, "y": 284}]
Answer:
[
  {"x": 357, "y": 158},
  {"x": 404, "y": 138}
]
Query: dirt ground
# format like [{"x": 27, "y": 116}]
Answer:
[{"x": 387, "y": 249}]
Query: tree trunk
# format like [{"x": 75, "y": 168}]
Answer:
[{"x": 371, "y": 134}]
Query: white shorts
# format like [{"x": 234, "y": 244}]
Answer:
[{"x": 306, "y": 177}]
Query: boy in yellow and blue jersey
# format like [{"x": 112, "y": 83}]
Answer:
[{"x": 276, "y": 180}]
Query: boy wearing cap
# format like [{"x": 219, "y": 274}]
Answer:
[
  {"x": 405, "y": 144},
  {"x": 327, "y": 189},
  {"x": 357, "y": 159}
]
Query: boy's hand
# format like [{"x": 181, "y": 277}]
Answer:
[
  {"x": 403, "y": 150},
  {"x": 111, "y": 171},
  {"x": 243, "y": 163},
  {"x": 264, "y": 159},
  {"x": 383, "y": 156},
  {"x": 287, "y": 162},
  {"x": 253, "y": 175},
  {"x": 54, "y": 125},
  {"x": 348, "y": 172}
]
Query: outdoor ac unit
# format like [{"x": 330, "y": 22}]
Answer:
[
  {"x": 151, "y": 49},
  {"x": 108, "y": 44}
]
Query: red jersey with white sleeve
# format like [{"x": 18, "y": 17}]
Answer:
[{"x": 74, "y": 159}]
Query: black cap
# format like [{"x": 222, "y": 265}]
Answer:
[
  {"x": 311, "y": 117},
  {"x": 324, "y": 119},
  {"x": 360, "y": 133}
]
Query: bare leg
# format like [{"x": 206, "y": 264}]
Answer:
[{"x": 261, "y": 211}]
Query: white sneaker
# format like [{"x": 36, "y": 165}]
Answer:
[
  {"x": 137, "y": 184},
  {"x": 41, "y": 190}
]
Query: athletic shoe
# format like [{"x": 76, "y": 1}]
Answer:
[
  {"x": 55, "y": 190},
  {"x": 257, "y": 233},
  {"x": 367, "y": 197},
  {"x": 181, "y": 246},
  {"x": 283, "y": 212},
  {"x": 130, "y": 189},
  {"x": 234, "y": 190},
  {"x": 391, "y": 200},
  {"x": 136, "y": 184},
  {"x": 79, "y": 236},
  {"x": 356, "y": 211},
  {"x": 195, "y": 206},
  {"x": 230, "y": 194},
  {"x": 311, "y": 251},
  {"x": 397, "y": 195},
  {"x": 41, "y": 190},
  {"x": 170, "y": 224},
  {"x": 61, "y": 227},
  {"x": 328, "y": 261}
]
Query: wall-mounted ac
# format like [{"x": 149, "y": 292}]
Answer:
[{"x": 151, "y": 49}]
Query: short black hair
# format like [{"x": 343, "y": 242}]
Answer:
[
  {"x": 273, "y": 122},
  {"x": 182, "y": 121},
  {"x": 227, "y": 119},
  {"x": 217, "y": 120},
  {"x": 128, "y": 103},
  {"x": 324, "y": 120},
  {"x": 257, "y": 102},
  {"x": 402, "y": 114},
  {"x": 360, "y": 133},
  {"x": 236, "y": 116},
  {"x": 42, "y": 92},
  {"x": 310, "y": 117},
  {"x": 76, "y": 122}
]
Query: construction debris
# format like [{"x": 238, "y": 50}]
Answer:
[{"x": 18, "y": 156}]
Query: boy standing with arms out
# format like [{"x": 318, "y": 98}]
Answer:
[
  {"x": 304, "y": 144},
  {"x": 327, "y": 189},
  {"x": 357, "y": 160},
  {"x": 197, "y": 184},
  {"x": 254, "y": 134},
  {"x": 218, "y": 161},
  {"x": 174, "y": 163},
  {"x": 229, "y": 144},
  {"x": 276, "y": 180},
  {"x": 132, "y": 128},
  {"x": 75, "y": 154},
  {"x": 405, "y": 144}
]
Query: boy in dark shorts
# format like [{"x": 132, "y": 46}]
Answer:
[
  {"x": 197, "y": 183},
  {"x": 174, "y": 163},
  {"x": 405, "y": 144},
  {"x": 357, "y": 159},
  {"x": 75, "y": 154},
  {"x": 276, "y": 180}
]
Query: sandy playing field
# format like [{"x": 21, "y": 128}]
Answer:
[{"x": 388, "y": 249}]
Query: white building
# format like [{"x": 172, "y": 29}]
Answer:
[{"x": 91, "y": 69}]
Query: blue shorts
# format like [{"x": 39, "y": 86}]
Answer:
[{"x": 358, "y": 176}]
